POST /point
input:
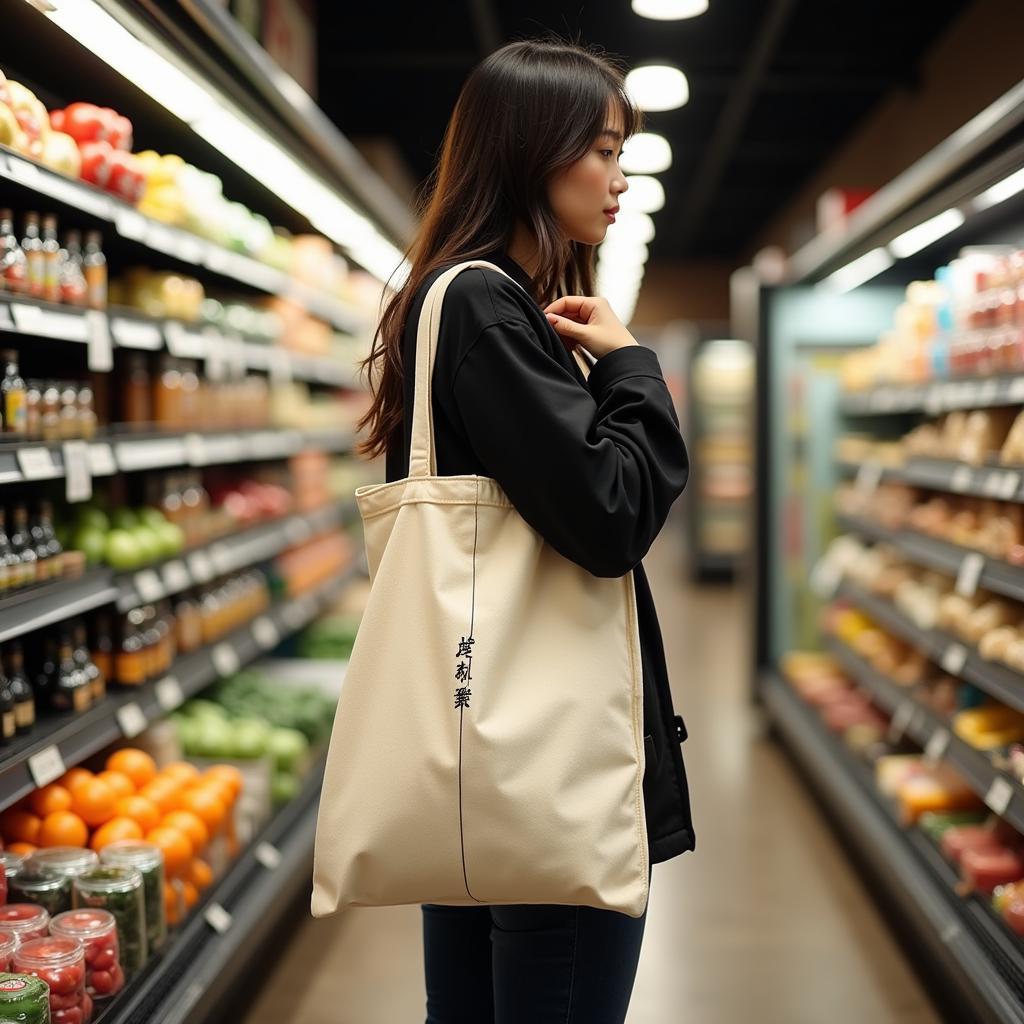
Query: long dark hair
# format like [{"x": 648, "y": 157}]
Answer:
[{"x": 527, "y": 112}]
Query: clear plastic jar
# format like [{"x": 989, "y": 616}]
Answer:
[
  {"x": 119, "y": 890},
  {"x": 148, "y": 859},
  {"x": 97, "y": 931},
  {"x": 60, "y": 963},
  {"x": 8, "y": 944},
  {"x": 25, "y": 921},
  {"x": 65, "y": 861},
  {"x": 45, "y": 889},
  {"x": 13, "y": 863},
  {"x": 24, "y": 999}
]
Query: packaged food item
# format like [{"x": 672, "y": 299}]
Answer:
[
  {"x": 60, "y": 963},
  {"x": 53, "y": 892},
  {"x": 97, "y": 931},
  {"x": 12, "y": 864},
  {"x": 64, "y": 861},
  {"x": 25, "y": 921},
  {"x": 119, "y": 890},
  {"x": 8, "y": 944},
  {"x": 24, "y": 999},
  {"x": 958, "y": 840},
  {"x": 983, "y": 870},
  {"x": 148, "y": 859}
]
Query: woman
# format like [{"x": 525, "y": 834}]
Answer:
[{"x": 529, "y": 180}]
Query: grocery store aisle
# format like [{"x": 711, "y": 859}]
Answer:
[{"x": 766, "y": 921}]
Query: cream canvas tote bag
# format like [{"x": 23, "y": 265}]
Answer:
[{"x": 488, "y": 744}]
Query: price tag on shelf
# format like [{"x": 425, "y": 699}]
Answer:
[
  {"x": 217, "y": 918},
  {"x": 970, "y": 573},
  {"x": 933, "y": 400},
  {"x": 961, "y": 479},
  {"x": 176, "y": 577},
  {"x": 169, "y": 694},
  {"x": 77, "y": 475},
  {"x": 200, "y": 566},
  {"x": 900, "y": 721},
  {"x": 6, "y": 323},
  {"x": 132, "y": 720},
  {"x": 148, "y": 585},
  {"x": 1015, "y": 392},
  {"x": 266, "y": 633},
  {"x": 869, "y": 476},
  {"x": 991, "y": 484},
  {"x": 268, "y": 855},
  {"x": 225, "y": 659},
  {"x": 938, "y": 744},
  {"x": 989, "y": 392},
  {"x": 195, "y": 449},
  {"x": 101, "y": 347},
  {"x": 999, "y": 795},
  {"x": 101, "y": 460},
  {"x": 1009, "y": 486},
  {"x": 45, "y": 767},
  {"x": 36, "y": 463},
  {"x": 954, "y": 659}
]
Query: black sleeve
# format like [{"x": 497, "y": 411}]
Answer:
[{"x": 594, "y": 473}]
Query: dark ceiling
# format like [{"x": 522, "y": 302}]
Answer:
[{"x": 775, "y": 86}]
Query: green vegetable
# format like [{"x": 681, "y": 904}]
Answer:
[
  {"x": 149, "y": 861},
  {"x": 24, "y": 999},
  {"x": 288, "y": 748},
  {"x": 45, "y": 889},
  {"x": 119, "y": 890}
]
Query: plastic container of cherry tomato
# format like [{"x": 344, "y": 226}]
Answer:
[
  {"x": 24, "y": 999},
  {"x": 149, "y": 860},
  {"x": 10, "y": 865},
  {"x": 8, "y": 944},
  {"x": 97, "y": 931},
  {"x": 60, "y": 963},
  {"x": 65, "y": 861},
  {"x": 119, "y": 890},
  {"x": 25, "y": 921},
  {"x": 42, "y": 888}
]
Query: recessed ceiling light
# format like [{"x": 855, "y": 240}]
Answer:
[
  {"x": 669, "y": 10},
  {"x": 658, "y": 87},
  {"x": 645, "y": 194},
  {"x": 646, "y": 153}
]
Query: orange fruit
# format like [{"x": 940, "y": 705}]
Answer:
[
  {"x": 136, "y": 764},
  {"x": 162, "y": 792},
  {"x": 22, "y": 849},
  {"x": 172, "y": 903},
  {"x": 226, "y": 773},
  {"x": 200, "y": 874},
  {"x": 118, "y": 782},
  {"x": 180, "y": 771},
  {"x": 93, "y": 800},
  {"x": 175, "y": 845},
  {"x": 191, "y": 824},
  {"x": 139, "y": 809},
  {"x": 20, "y": 826},
  {"x": 63, "y": 828},
  {"x": 49, "y": 799},
  {"x": 206, "y": 802},
  {"x": 72, "y": 778},
  {"x": 115, "y": 829},
  {"x": 190, "y": 894},
  {"x": 222, "y": 788}
]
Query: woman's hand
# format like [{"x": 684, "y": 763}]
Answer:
[{"x": 588, "y": 322}]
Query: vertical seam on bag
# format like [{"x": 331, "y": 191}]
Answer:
[
  {"x": 637, "y": 676},
  {"x": 572, "y": 965}
]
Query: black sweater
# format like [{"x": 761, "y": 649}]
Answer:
[{"x": 593, "y": 466}]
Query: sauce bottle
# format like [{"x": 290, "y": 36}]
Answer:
[
  {"x": 21, "y": 689},
  {"x": 83, "y": 659},
  {"x": 32, "y": 246},
  {"x": 12, "y": 387},
  {"x": 103, "y": 646},
  {"x": 130, "y": 659},
  {"x": 87, "y": 418},
  {"x": 21, "y": 545},
  {"x": 51, "y": 260},
  {"x": 10, "y": 568},
  {"x": 72, "y": 691},
  {"x": 53, "y": 545},
  {"x": 72, "y": 276},
  {"x": 8, "y": 725},
  {"x": 13, "y": 268},
  {"x": 137, "y": 408},
  {"x": 46, "y": 678},
  {"x": 94, "y": 265},
  {"x": 33, "y": 410},
  {"x": 69, "y": 428},
  {"x": 50, "y": 417}
]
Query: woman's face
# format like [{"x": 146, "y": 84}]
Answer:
[{"x": 585, "y": 197}]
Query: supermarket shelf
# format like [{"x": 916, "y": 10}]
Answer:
[
  {"x": 129, "y": 453},
  {"x": 174, "y": 242},
  {"x": 42, "y": 605},
  {"x": 186, "y": 981},
  {"x": 936, "y": 915},
  {"x": 934, "y": 734},
  {"x": 996, "y": 576},
  {"x": 224, "y": 353},
  {"x": 935, "y": 397},
  {"x": 126, "y": 713},
  {"x": 1002, "y": 482}
]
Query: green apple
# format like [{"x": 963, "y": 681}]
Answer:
[
  {"x": 90, "y": 515},
  {"x": 149, "y": 516},
  {"x": 92, "y": 541},
  {"x": 283, "y": 787},
  {"x": 149, "y": 543},
  {"x": 287, "y": 747},
  {"x": 124, "y": 519},
  {"x": 122, "y": 550},
  {"x": 171, "y": 537}
]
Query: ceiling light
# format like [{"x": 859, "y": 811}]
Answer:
[
  {"x": 631, "y": 227},
  {"x": 931, "y": 230},
  {"x": 1001, "y": 191},
  {"x": 645, "y": 194},
  {"x": 646, "y": 153},
  {"x": 669, "y": 10},
  {"x": 862, "y": 269},
  {"x": 658, "y": 87}
]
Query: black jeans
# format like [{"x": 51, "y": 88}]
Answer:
[{"x": 529, "y": 964}]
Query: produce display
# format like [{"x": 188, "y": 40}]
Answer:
[
  {"x": 25, "y": 921},
  {"x": 8, "y": 945},
  {"x": 148, "y": 860},
  {"x": 96, "y": 930},
  {"x": 60, "y": 963},
  {"x": 119, "y": 891}
]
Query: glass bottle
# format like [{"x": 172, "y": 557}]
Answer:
[
  {"x": 167, "y": 395},
  {"x": 94, "y": 265},
  {"x": 33, "y": 410},
  {"x": 45, "y": 680},
  {"x": 50, "y": 418},
  {"x": 87, "y": 418},
  {"x": 72, "y": 276},
  {"x": 55, "y": 550},
  {"x": 21, "y": 544},
  {"x": 51, "y": 260},
  {"x": 38, "y": 542},
  {"x": 137, "y": 409},
  {"x": 72, "y": 692},
  {"x": 8, "y": 723},
  {"x": 10, "y": 566},
  {"x": 130, "y": 659},
  {"x": 13, "y": 269},
  {"x": 103, "y": 645},
  {"x": 69, "y": 428},
  {"x": 32, "y": 246},
  {"x": 83, "y": 659},
  {"x": 21, "y": 689},
  {"x": 13, "y": 389}
]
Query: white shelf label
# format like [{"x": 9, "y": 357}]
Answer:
[
  {"x": 970, "y": 572},
  {"x": 200, "y": 567},
  {"x": 266, "y": 633},
  {"x": 1016, "y": 390},
  {"x": 225, "y": 659},
  {"x": 195, "y": 449},
  {"x": 933, "y": 401},
  {"x": 101, "y": 460},
  {"x": 938, "y": 744},
  {"x": 869, "y": 476},
  {"x": 132, "y": 720},
  {"x": 217, "y": 918},
  {"x": 101, "y": 347},
  {"x": 961, "y": 479},
  {"x": 47, "y": 766},
  {"x": 148, "y": 585},
  {"x": 901, "y": 720},
  {"x": 176, "y": 577},
  {"x": 999, "y": 795},
  {"x": 77, "y": 475},
  {"x": 169, "y": 693},
  {"x": 954, "y": 659},
  {"x": 1009, "y": 486},
  {"x": 268, "y": 855},
  {"x": 36, "y": 463}
]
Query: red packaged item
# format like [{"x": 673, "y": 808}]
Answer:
[
  {"x": 126, "y": 177},
  {"x": 60, "y": 963},
  {"x": 96, "y": 157},
  {"x": 983, "y": 870},
  {"x": 97, "y": 931},
  {"x": 25, "y": 921},
  {"x": 958, "y": 840},
  {"x": 8, "y": 945},
  {"x": 86, "y": 122}
]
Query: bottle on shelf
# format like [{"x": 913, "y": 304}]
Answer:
[
  {"x": 10, "y": 566},
  {"x": 130, "y": 657},
  {"x": 49, "y": 540},
  {"x": 8, "y": 725},
  {"x": 32, "y": 246},
  {"x": 72, "y": 691},
  {"x": 69, "y": 425},
  {"x": 94, "y": 265},
  {"x": 137, "y": 408},
  {"x": 50, "y": 416},
  {"x": 87, "y": 419},
  {"x": 13, "y": 388},
  {"x": 83, "y": 659},
  {"x": 102, "y": 649},
  {"x": 51, "y": 260},
  {"x": 13, "y": 268},
  {"x": 21, "y": 544},
  {"x": 167, "y": 395},
  {"x": 45, "y": 679},
  {"x": 72, "y": 275},
  {"x": 41, "y": 549},
  {"x": 21, "y": 689},
  {"x": 33, "y": 410}
]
